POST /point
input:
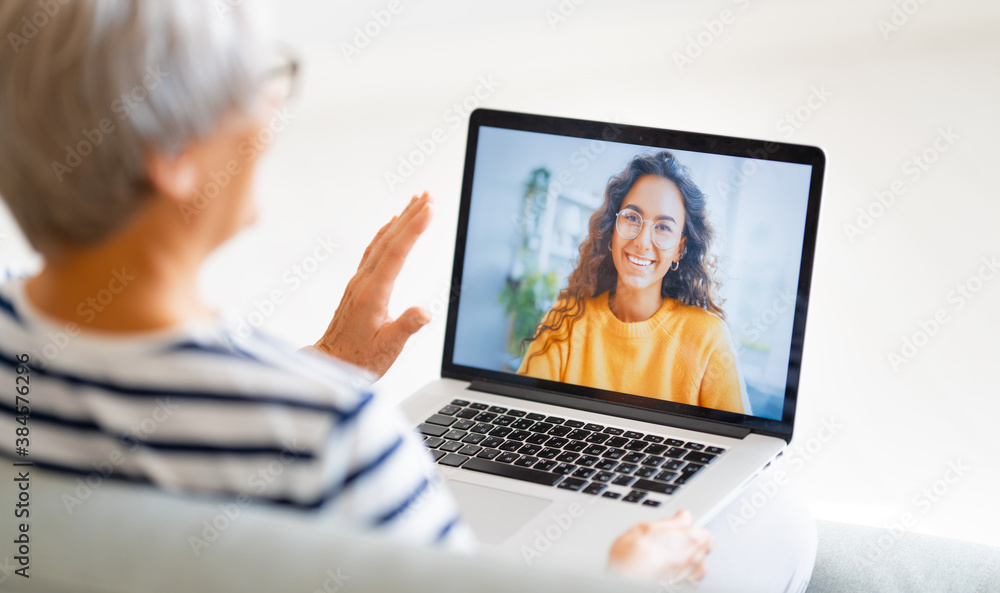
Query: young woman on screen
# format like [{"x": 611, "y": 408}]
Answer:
[{"x": 640, "y": 314}]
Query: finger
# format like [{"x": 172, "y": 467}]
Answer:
[
  {"x": 388, "y": 258},
  {"x": 399, "y": 225},
  {"x": 394, "y": 335},
  {"x": 375, "y": 241},
  {"x": 698, "y": 572}
]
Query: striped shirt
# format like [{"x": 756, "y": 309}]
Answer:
[{"x": 203, "y": 409}]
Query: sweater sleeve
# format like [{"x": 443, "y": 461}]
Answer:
[{"x": 720, "y": 384}]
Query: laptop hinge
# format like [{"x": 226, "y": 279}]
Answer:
[{"x": 610, "y": 408}]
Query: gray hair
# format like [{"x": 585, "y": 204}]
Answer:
[{"x": 89, "y": 88}]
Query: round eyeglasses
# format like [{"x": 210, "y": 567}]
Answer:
[
  {"x": 628, "y": 223},
  {"x": 281, "y": 76}
]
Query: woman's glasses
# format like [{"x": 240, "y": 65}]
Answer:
[
  {"x": 628, "y": 223},
  {"x": 281, "y": 76}
]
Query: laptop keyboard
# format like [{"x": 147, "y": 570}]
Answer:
[{"x": 564, "y": 453}]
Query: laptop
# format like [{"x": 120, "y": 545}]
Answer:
[{"x": 550, "y": 462}]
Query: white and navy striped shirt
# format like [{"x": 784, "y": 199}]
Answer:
[{"x": 200, "y": 409}]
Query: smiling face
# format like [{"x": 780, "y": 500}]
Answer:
[{"x": 639, "y": 262}]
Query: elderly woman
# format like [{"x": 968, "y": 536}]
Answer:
[{"x": 127, "y": 155}]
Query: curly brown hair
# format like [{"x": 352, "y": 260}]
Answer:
[{"x": 693, "y": 283}]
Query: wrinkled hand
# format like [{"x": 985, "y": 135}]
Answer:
[
  {"x": 668, "y": 549},
  {"x": 361, "y": 332}
]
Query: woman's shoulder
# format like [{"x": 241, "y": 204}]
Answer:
[{"x": 694, "y": 319}]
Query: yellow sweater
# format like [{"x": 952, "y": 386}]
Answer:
[{"x": 681, "y": 353}]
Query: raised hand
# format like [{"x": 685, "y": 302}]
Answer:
[{"x": 669, "y": 549}]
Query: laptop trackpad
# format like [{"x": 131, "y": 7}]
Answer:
[{"x": 495, "y": 515}]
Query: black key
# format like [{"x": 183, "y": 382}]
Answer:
[
  {"x": 673, "y": 464},
  {"x": 492, "y": 442},
  {"x": 432, "y": 442},
  {"x": 652, "y": 438},
  {"x": 694, "y": 446},
  {"x": 549, "y": 453},
  {"x": 504, "y": 420},
  {"x": 510, "y": 445},
  {"x": 646, "y": 472},
  {"x": 470, "y": 450},
  {"x": 555, "y": 420},
  {"x": 587, "y": 461},
  {"x": 583, "y": 472},
  {"x": 673, "y": 442},
  {"x": 606, "y": 464},
  {"x": 696, "y": 457},
  {"x": 535, "y": 416},
  {"x": 594, "y": 450},
  {"x": 516, "y": 413},
  {"x": 557, "y": 442},
  {"x": 478, "y": 406},
  {"x": 455, "y": 435},
  {"x": 498, "y": 410},
  {"x": 463, "y": 425},
  {"x": 486, "y": 417},
  {"x": 683, "y": 479},
  {"x": 654, "y": 486},
  {"x": 453, "y": 459},
  {"x": 448, "y": 410},
  {"x": 488, "y": 453},
  {"x": 438, "y": 455},
  {"x": 612, "y": 495},
  {"x": 541, "y": 427},
  {"x": 626, "y": 468},
  {"x": 636, "y": 445},
  {"x": 482, "y": 428},
  {"x": 616, "y": 441},
  {"x": 592, "y": 426},
  {"x": 653, "y": 461},
  {"x": 459, "y": 402},
  {"x": 432, "y": 430},
  {"x": 655, "y": 449},
  {"x": 573, "y": 423},
  {"x": 594, "y": 488},
  {"x": 512, "y": 471},
  {"x": 567, "y": 457},
  {"x": 559, "y": 431},
  {"x": 575, "y": 446},
  {"x": 665, "y": 476},
  {"x": 691, "y": 469},
  {"x": 545, "y": 465},
  {"x": 612, "y": 430},
  {"x": 604, "y": 477},
  {"x": 676, "y": 452},
  {"x": 578, "y": 434},
  {"x": 623, "y": 481},
  {"x": 519, "y": 435},
  {"x": 451, "y": 446},
  {"x": 508, "y": 457},
  {"x": 522, "y": 424},
  {"x": 633, "y": 434},
  {"x": 563, "y": 468},
  {"x": 633, "y": 458},
  {"x": 614, "y": 453},
  {"x": 715, "y": 450},
  {"x": 474, "y": 439},
  {"x": 634, "y": 496},
  {"x": 573, "y": 484},
  {"x": 526, "y": 461},
  {"x": 529, "y": 449},
  {"x": 537, "y": 439},
  {"x": 500, "y": 431},
  {"x": 597, "y": 437},
  {"x": 441, "y": 420},
  {"x": 467, "y": 413},
  {"x": 651, "y": 503}
]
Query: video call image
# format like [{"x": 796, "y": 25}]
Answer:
[{"x": 655, "y": 272}]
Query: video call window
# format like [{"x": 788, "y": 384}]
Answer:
[{"x": 558, "y": 223}]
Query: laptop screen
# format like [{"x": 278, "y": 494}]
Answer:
[{"x": 656, "y": 269}]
